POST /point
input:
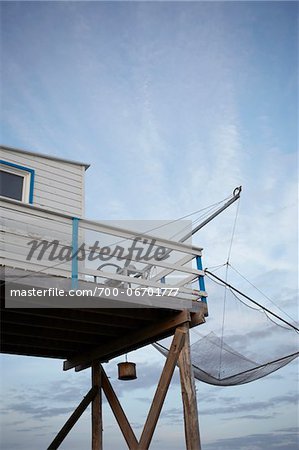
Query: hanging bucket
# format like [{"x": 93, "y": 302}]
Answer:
[{"x": 126, "y": 371}]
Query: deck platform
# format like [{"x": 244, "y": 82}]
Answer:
[{"x": 105, "y": 328}]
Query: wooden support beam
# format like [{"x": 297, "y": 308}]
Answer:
[
  {"x": 129, "y": 342},
  {"x": 162, "y": 388},
  {"x": 73, "y": 419},
  {"x": 198, "y": 318},
  {"x": 118, "y": 412},
  {"x": 192, "y": 435},
  {"x": 96, "y": 408}
]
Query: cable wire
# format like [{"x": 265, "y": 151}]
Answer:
[
  {"x": 261, "y": 292},
  {"x": 253, "y": 301}
]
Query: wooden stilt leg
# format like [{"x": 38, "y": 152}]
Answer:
[
  {"x": 96, "y": 408},
  {"x": 189, "y": 395},
  {"x": 162, "y": 388}
]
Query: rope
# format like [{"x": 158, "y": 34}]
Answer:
[
  {"x": 225, "y": 289},
  {"x": 223, "y": 320},
  {"x": 215, "y": 268},
  {"x": 233, "y": 232}
]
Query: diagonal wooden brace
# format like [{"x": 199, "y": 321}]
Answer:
[
  {"x": 118, "y": 412},
  {"x": 73, "y": 419}
]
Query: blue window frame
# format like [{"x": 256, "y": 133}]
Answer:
[{"x": 16, "y": 181}]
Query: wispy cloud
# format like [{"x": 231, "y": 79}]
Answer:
[
  {"x": 285, "y": 439},
  {"x": 239, "y": 407}
]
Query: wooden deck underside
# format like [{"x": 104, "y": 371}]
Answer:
[{"x": 82, "y": 335}]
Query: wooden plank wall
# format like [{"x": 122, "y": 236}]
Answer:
[{"x": 58, "y": 186}]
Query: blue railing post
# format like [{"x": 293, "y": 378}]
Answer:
[
  {"x": 75, "y": 253},
  {"x": 201, "y": 280}
]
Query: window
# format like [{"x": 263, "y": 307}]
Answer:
[
  {"x": 16, "y": 182},
  {"x": 11, "y": 185}
]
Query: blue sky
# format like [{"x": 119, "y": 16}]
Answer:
[{"x": 174, "y": 104}]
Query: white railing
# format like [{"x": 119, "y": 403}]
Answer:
[{"x": 38, "y": 240}]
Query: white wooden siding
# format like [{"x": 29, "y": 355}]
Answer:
[{"x": 58, "y": 186}]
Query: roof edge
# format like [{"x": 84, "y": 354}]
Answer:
[{"x": 44, "y": 155}]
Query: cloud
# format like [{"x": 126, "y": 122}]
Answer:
[
  {"x": 48, "y": 400},
  {"x": 253, "y": 417},
  {"x": 241, "y": 407},
  {"x": 282, "y": 440},
  {"x": 172, "y": 416},
  {"x": 289, "y": 430},
  {"x": 36, "y": 412}
]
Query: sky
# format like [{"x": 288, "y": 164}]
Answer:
[{"x": 173, "y": 104}]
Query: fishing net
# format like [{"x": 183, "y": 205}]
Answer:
[
  {"x": 236, "y": 369},
  {"x": 239, "y": 343}
]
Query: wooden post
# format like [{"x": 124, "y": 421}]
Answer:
[
  {"x": 192, "y": 435},
  {"x": 162, "y": 388},
  {"x": 96, "y": 408}
]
